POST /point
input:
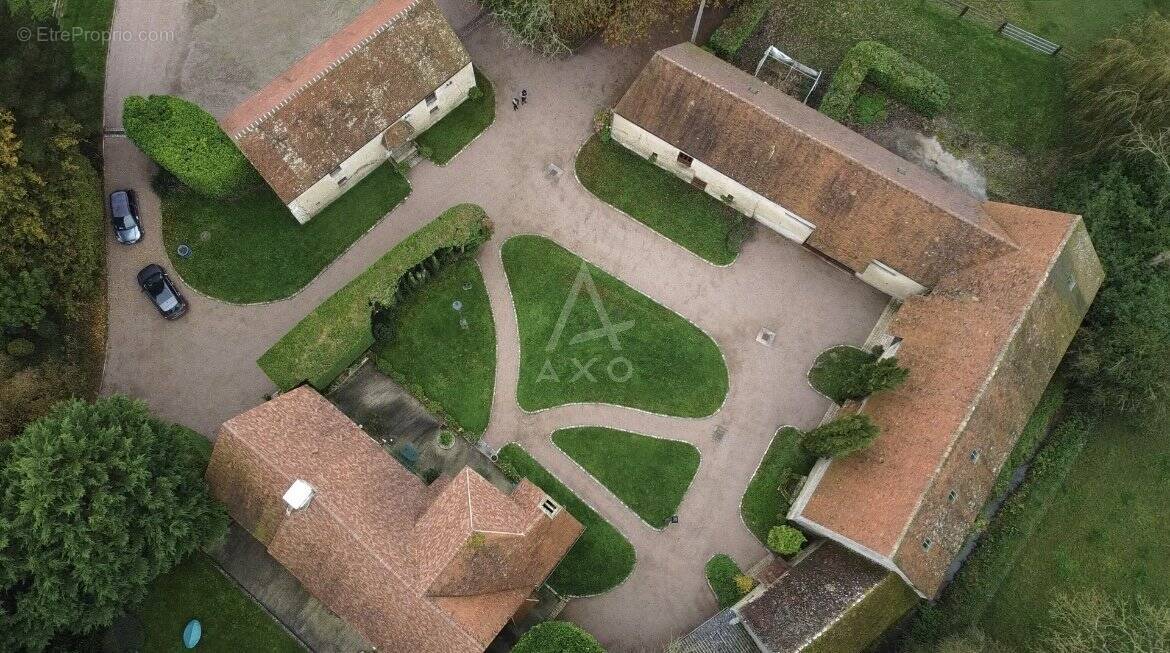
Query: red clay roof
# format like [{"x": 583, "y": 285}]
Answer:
[
  {"x": 866, "y": 202},
  {"x": 345, "y": 92},
  {"x": 393, "y": 557},
  {"x": 980, "y": 348}
]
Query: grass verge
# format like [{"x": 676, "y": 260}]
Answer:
[
  {"x": 89, "y": 54},
  {"x": 432, "y": 356},
  {"x": 722, "y": 573},
  {"x": 253, "y": 250},
  {"x": 650, "y": 475},
  {"x": 337, "y": 332},
  {"x": 602, "y": 558},
  {"x": 622, "y": 348},
  {"x": 231, "y": 620},
  {"x": 765, "y": 502},
  {"x": 659, "y": 200},
  {"x": 833, "y": 369},
  {"x": 457, "y": 129}
]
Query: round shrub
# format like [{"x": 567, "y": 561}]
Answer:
[
  {"x": 785, "y": 540},
  {"x": 20, "y": 348},
  {"x": 557, "y": 637},
  {"x": 841, "y": 437},
  {"x": 446, "y": 439},
  {"x": 187, "y": 141}
]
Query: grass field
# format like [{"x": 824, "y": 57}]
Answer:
[
  {"x": 231, "y": 620},
  {"x": 650, "y": 475},
  {"x": 1105, "y": 529},
  {"x": 763, "y": 505},
  {"x": 457, "y": 129},
  {"x": 658, "y": 199},
  {"x": 1000, "y": 91},
  {"x": 253, "y": 250},
  {"x": 338, "y": 331},
  {"x": 652, "y": 359},
  {"x": 602, "y": 557},
  {"x": 446, "y": 366},
  {"x": 1075, "y": 23}
]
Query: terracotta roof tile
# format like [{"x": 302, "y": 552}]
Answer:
[
  {"x": 346, "y": 92},
  {"x": 866, "y": 202},
  {"x": 388, "y": 554}
]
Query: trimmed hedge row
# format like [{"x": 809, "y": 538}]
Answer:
[
  {"x": 337, "y": 332},
  {"x": 967, "y": 598},
  {"x": 740, "y": 24},
  {"x": 722, "y": 573},
  {"x": 889, "y": 70},
  {"x": 187, "y": 141}
]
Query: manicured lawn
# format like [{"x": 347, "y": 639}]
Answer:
[
  {"x": 764, "y": 503},
  {"x": 832, "y": 369},
  {"x": 231, "y": 620},
  {"x": 1105, "y": 529},
  {"x": 602, "y": 557},
  {"x": 338, "y": 331},
  {"x": 448, "y": 367},
  {"x": 1076, "y": 23},
  {"x": 1000, "y": 90},
  {"x": 650, "y": 475},
  {"x": 643, "y": 356},
  {"x": 453, "y": 133},
  {"x": 658, "y": 199},
  {"x": 89, "y": 54},
  {"x": 721, "y": 573},
  {"x": 255, "y": 250}
]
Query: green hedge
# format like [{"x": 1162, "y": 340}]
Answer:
[
  {"x": 333, "y": 336},
  {"x": 557, "y": 637},
  {"x": 187, "y": 141},
  {"x": 739, "y": 25},
  {"x": 721, "y": 573},
  {"x": 967, "y": 598},
  {"x": 889, "y": 70}
]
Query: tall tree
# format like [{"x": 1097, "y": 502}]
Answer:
[
  {"x": 96, "y": 500},
  {"x": 1120, "y": 91},
  {"x": 1088, "y": 622}
]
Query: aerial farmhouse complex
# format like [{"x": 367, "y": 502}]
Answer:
[{"x": 354, "y": 102}]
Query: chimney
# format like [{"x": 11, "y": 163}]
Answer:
[{"x": 299, "y": 494}]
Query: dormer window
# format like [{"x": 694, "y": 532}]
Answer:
[
  {"x": 927, "y": 543},
  {"x": 685, "y": 159},
  {"x": 549, "y": 507},
  {"x": 431, "y": 99},
  {"x": 951, "y": 496},
  {"x": 975, "y": 456}
]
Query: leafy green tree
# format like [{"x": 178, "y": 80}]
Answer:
[
  {"x": 883, "y": 374},
  {"x": 557, "y": 637},
  {"x": 187, "y": 141},
  {"x": 38, "y": 9},
  {"x": 785, "y": 540},
  {"x": 1120, "y": 358},
  {"x": 841, "y": 437},
  {"x": 23, "y": 297},
  {"x": 96, "y": 500},
  {"x": 557, "y": 27},
  {"x": 1120, "y": 90}
]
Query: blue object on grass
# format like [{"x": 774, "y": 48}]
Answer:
[{"x": 192, "y": 633}]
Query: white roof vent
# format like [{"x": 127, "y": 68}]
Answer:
[{"x": 299, "y": 494}]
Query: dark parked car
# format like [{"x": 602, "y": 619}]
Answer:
[
  {"x": 124, "y": 217},
  {"x": 162, "y": 291}
]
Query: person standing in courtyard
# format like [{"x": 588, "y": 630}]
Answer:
[
  {"x": 524, "y": 96},
  {"x": 515, "y": 104}
]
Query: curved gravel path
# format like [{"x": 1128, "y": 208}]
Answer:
[{"x": 201, "y": 370}]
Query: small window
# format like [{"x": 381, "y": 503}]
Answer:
[
  {"x": 434, "y": 110},
  {"x": 341, "y": 182},
  {"x": 975, "y": 456},
  {"x": 951, "y": 496},
  {"x": 685, "y": 159},
  {"x": 927, "y": 543},
  {"x": 432, "y": 99},
  {"x": 698, "y": 183},
  {"x": 549, "y": 507}
]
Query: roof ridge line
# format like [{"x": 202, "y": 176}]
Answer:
[{"x": 328, "y": 68}]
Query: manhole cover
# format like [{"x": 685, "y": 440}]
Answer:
[
  {"x": 457, "y": 305},
  {"x": 184, "y": 250},
  {"x": 720, "y": 431},
  {"x": 766, "y": 337},
  {"x": 205, "y": 236},
  {"x": 467, "y": 285},
  {"x": 552, "y": 171}
]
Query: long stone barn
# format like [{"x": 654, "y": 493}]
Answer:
[
  {"x": 988, "y": 297},
  {"x": 354, "y": 102}
]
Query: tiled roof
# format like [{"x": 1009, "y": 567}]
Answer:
[
  {"x": 980, "y": 349},
  {"x": 429, "y": 569},
  {"x": 340, "y": 96},
  {"x": 866, "y": 202}
]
